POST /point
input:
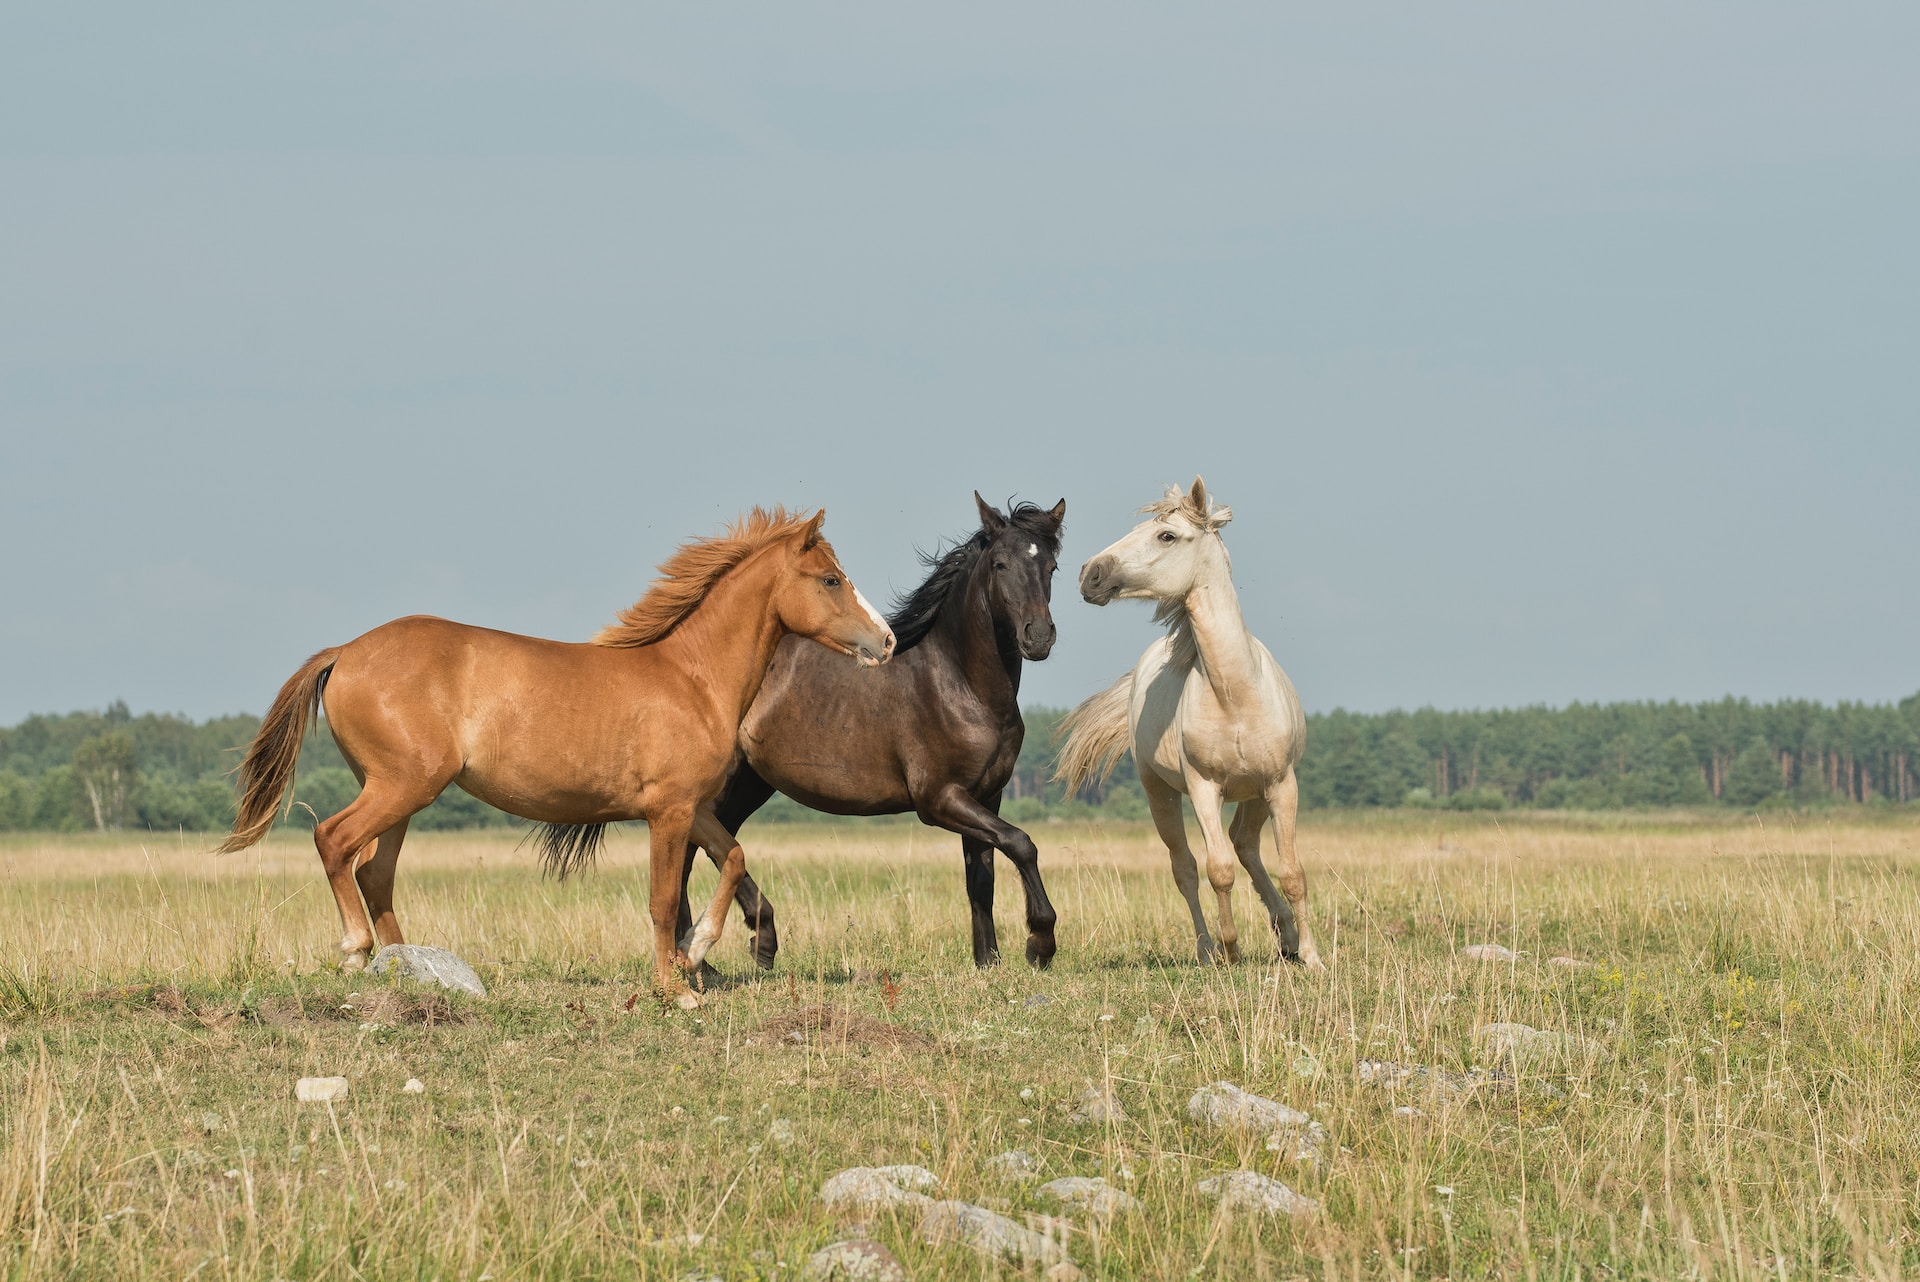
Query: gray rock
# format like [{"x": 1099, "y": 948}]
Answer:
[
  {"x": 1252, "y": 1191},
  {"x": 1014, "y": 1164},
  {"x": 988, "y": 1233},
  {"x": 1487, "y": 952},
  {"x": 426, "y": 965},
  {"x": 868, "y": 1188},
  {"x": 855, "y": 1260},
  {"x": 1097, "y": 1107},
  {"x": 1089, "y": 1195},
  {"x": 1226, "y": 1106},
  {"x": 1288, "y": 1130}
]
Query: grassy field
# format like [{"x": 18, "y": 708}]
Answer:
[{"x": 1748, "y": 1105}]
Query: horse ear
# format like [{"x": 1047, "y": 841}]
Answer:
[
  {"x": 1057, "y": 513},
  {"x": 990, "y": 519},
  {"x": 811, "y": 535}
]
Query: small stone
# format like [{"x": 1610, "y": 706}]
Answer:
[
  {"x": 866, "y": 1188},
  {"x": 1487, "y": 952},
  {"x": 1226, "y": 1106},
  {"x": 987, "y": 1232},
  {"x": 1097, "y": 1107},
  {"x": 1014, "y": 1164},
  {"x": 414, "y": 1086},
  {"x": 427, "y": 965},
  {"x": 1091, "y": 1196},
  {"x": 320, "y": 1090},
  {"x": 1288, "y": 1130},
  {"x": 1252, "y": 1191},
  {"x": 854, "y": 1260}
]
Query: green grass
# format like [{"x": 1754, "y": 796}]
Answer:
[{"x": 1758, "y": 1114}]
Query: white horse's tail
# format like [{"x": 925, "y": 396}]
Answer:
[{"x": 1097, "y": 736}]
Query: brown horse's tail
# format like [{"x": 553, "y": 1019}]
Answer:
[
  {"x": 266, "y": 772},
  {"x": 1097, "y": 736}
]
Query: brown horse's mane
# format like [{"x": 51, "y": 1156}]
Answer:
[{"x": 690, "y": 573}]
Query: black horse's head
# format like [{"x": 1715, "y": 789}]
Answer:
[{"x": 1022, "y": 548}]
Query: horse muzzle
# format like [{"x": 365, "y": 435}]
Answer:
[
  {"x": 1098, "y": 580},
  {"x": 867, "y": 656},
  {"x": 1036, "y": 638}
]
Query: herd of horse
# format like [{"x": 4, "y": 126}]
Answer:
[{"x": 754, "y": 666}]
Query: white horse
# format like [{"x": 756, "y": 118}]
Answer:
[{"x": 1207, "y": 713}]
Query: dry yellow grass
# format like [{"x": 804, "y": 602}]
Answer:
[{"x": 1751, "y": 1111}]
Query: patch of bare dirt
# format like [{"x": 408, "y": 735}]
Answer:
[{"x": 828, "y": 1026}]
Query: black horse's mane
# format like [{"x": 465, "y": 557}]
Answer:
[{"x": 913, "y": 613}]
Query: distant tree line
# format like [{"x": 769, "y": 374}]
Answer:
[
  {"x": 1584, "y": 757},
  {"x": 112, "y": 771}
]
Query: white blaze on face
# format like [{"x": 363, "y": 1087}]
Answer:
[{"x": 879, "y": 622}]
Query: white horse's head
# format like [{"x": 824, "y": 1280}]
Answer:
[{"x": 1163, "y": 557}]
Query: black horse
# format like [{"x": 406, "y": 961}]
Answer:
[{"x": 935, "y": 731}]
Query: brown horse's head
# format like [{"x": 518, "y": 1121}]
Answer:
[
  {"x": 1019, "y": 560},
  {"x": 814, "y": 598}
]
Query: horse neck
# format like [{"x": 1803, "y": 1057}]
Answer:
[
  {"x": 730, "y": 637},
  {"x": 987, "y": 653},
  {"x": 1219, "y": 631}
]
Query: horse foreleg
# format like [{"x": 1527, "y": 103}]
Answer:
[
  {"x": 1163, "y": 800},
  {"x": 667, "y": 843},
  {"x": 375, "y": 876},
  {"x": 1248, "y": 818},
  {"x": 1206, "y": 809},
  {"x": 712, "y": 834},
  {"x": 957, "y": 810},
  {"x": 1283, "y": 799}
]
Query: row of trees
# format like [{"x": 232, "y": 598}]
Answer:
[
  {"x": 1584, "y": 757},
  {"x": 112, "y": 770}
]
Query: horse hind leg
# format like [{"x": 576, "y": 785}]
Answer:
[
  {"x": 340, "y": 839},
  {"x": 375, "y": 875},
  {"x": 1248, "y": 818},
  {"x": 1164, "y": 803},
  {"x": 713, "y": 836},
  {"x": 1284, "y": 800}
]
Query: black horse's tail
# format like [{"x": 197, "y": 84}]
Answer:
[{"x": 566, "y": 848}]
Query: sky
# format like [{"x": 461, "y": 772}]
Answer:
[{"x": 1544, "y": 353}]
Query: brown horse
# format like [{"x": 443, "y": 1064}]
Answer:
[{"x": 640, "y": 724}]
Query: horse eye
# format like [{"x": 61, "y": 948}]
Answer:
[{"x": 831, "y": 581}]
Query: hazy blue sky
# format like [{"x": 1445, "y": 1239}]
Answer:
[{"x": 1544, "y": 352}]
